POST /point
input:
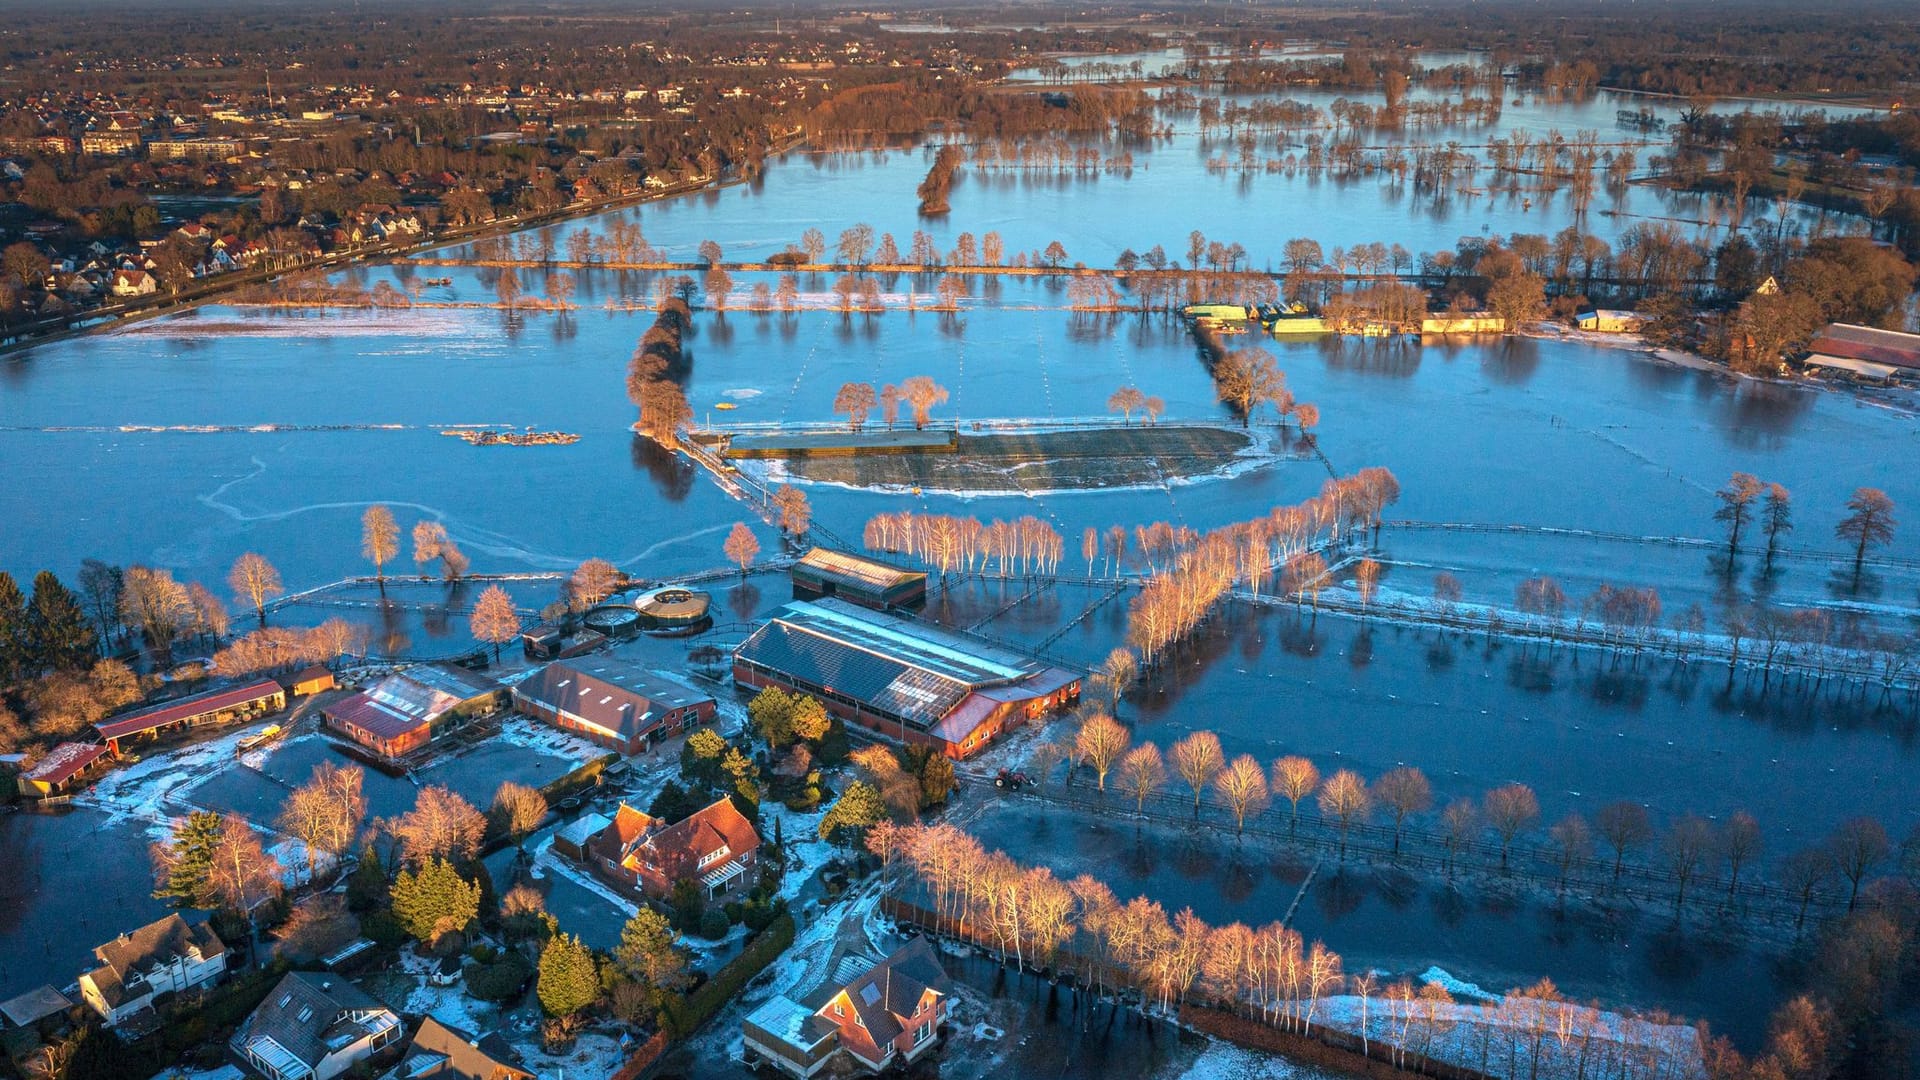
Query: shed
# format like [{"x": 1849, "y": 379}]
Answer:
[
  {"x": 571, "y": 840},
  {"x": 60, "y": 769},
  {"x": 1864, "y": 369},
  {"x": 1609, "y": 321},
  {"x": 867, "y": 582},
  {"x": 310, "y": 681}
]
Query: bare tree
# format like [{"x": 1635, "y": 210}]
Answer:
[
  {"x": 1155, "y": 407},
  {"x": 1196, "y": 758},
  {"x": 494, "y": 621},
  {"x": 1243, "y": 784},
  {"x": 1345, "y": 799},
  {"x": 741, "y": 546},
  {"x": 1295, "y": 778},
  {"x": 1366, "y": 580},
  {"x": 1623, "y": 825},
  {"x": 790, "y": 503},
  {"x": 1142, "y": 772},
  {"x": 1116, "y": 673},
  {"x": 1856, "y": 847},
  {"x": 1461, "y": 820},
  {"x": 153, "y": 603},
  {"x": 440, "y": 825},
  {"x": 1101, "y": 740},
  {"x": 1403, "y": 791},
  {"x": 325, "y": 813},
  {"x": 518, "y": 809},
  {"x": 1249, "y": 378},
  {"x": 254, "y": 581},
  {"x": 1739, "y": 844},
  {"x": 241, "y": 872},
  {"x": 1687, "y": 842},
  {"x": 593, "y": 581},
  {"x": 922, "y": 393},
  {"x": 1736, "y": 506},
  {"x": 1802, "y": 873},
  {"x": 1511, "y": 810},
  {"x": 856, "y": 401},
  {"x": 1869, "y": 524},
  {"x": 1125, "y": 400},
  {"x": 1572, "y": 842},
  {"x": 890, "y": 398},
  {"x": 1778, "y": 519}
]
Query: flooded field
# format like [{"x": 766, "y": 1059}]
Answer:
[{"x": 187, "y": 441}]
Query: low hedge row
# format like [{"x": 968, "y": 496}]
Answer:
[{"x": 684, "y": 1016}]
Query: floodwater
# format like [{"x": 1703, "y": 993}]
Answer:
[
  {"x": 186, "y": 441},
  {"x": 1383, "y": 920}
]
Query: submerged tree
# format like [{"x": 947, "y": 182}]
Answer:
[
  {"x": 1736, "y": 507},
  {"x": 922, "y": 393},
  {"x": 741, "y": 546},
  {"x": 1868, "y": 524},
  {"x": 856, "y": 401},
  {"x": 254, "y": 582},
  {"x": 494, "y": 621},
  {"x": 379, "y": 540}
]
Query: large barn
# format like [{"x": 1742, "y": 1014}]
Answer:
[
  {"x": 903, "y": 678},
  {"x": 612, "y": 703}
]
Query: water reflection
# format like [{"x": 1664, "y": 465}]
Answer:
[{"x": 672, "y": 475}]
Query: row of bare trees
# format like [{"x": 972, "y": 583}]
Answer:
[
  {"x": 950, "y": 542},
  {"x": 1269, "y": 974},
  {"x": 856, "y": 401},
  {"x": 1500, "y": 819}
]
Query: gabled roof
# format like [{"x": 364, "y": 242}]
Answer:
[
  {"x": 443, "y": 1053},
  {"x": 64, "y": 762},
  {"x": 304, "y": 1013},
  {"x": 617, "y": 698},
  {"x": 198, "y": 704},
  {"x": 677, "y": 849},
  {"x": 893, "y": 989},
  {"x": 839, "y": 566},
  {"x": 1868, "y": 343}
]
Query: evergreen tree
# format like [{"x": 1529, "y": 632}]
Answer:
[
  {"x": 58, "y": 636},
  {"x": 184, "y": 867},
  {"x": 859, "y": 806},
  {"x": 937, "y": 781},
  {"x": 743, "y": 781},
  {"x": 13, "y": 632},
  {"x": 771, "y": 710},
  {"x": 435, "y": 902},
  {"x": 367, "y": 889},
  {"x": 569, "y": 980},
  {"x": 649, "y": 954}
]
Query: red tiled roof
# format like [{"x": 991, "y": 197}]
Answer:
[
  {"x": 186, "y": 708},
  {"x": 679, "y": 847},
  {"x": 1868, "y": 343},
  {"x": 64, "y": 762}
]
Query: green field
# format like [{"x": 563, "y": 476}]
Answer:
[{"x": 1040, "y": 461}]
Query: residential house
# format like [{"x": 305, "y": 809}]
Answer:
[
  {"x": 314, "y": 1026},
  {"x": 882, "y": 1018},
  {"x": 160, "y": 958},
  {"x": 439, "y": 1052},
  {"x": 611, "y": 703},
  {"x": 714, "y": 846},
  {"x": 405, "y": 711},
  {"x": 129, "y": 283}
]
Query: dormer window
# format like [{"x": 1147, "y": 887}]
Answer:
[{"x": 715, "y": 856}]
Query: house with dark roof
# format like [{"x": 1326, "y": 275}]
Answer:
[
  {"x": 439, "y": 1052},
  {"x": 887, "y": 1016},
  {"x": 406, "y": 710},
  {"x": 160, "y": 958},
  {"x": 904, "y": 678},
  {"x": 715, "y": 846},
  {"x": 314, "y": 1026},
  {"x": 611, "y": 703},
  {"x": 858, "y": 580}
]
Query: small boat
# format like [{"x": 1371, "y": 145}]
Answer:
[{"x": 726, "y": 405}]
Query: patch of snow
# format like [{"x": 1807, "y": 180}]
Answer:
[
  {"x": 1225, "y": 1061},
  {"x": 155, "y": 788},
  {"x": 545, "y": 862},
  {"x": 517, "y": 730},
  {"x": 1459, "y": 988},
  {"x": 986, "y": 1032}
]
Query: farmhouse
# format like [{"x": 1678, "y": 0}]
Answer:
[
  {"x": 861, "y": 581},
  {"x": 1608, "y": 321},
  {"x": 406, "y": 710},
  {"x": 235, "y": 703},
  {"x": 715, "y": 846},
  {"x": 164, "y": 957},
  {"x": 61, "y": 770},
  {"x": 903, "y": 678},
  {"x": 611, "y": 703},
  {"x": 314, "y": 1027},
  {"x": 884, "y": 1018}
]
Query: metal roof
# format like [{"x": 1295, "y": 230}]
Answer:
[
  {"x": 187, "y": 708},
  {"x": 609, "y": 695},
  {"x": 852, "y": 569},
  {"x": 1868, "y": 343},
  {"x": 894, "y": 666},
  {"x": 63, "y": 762}
]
